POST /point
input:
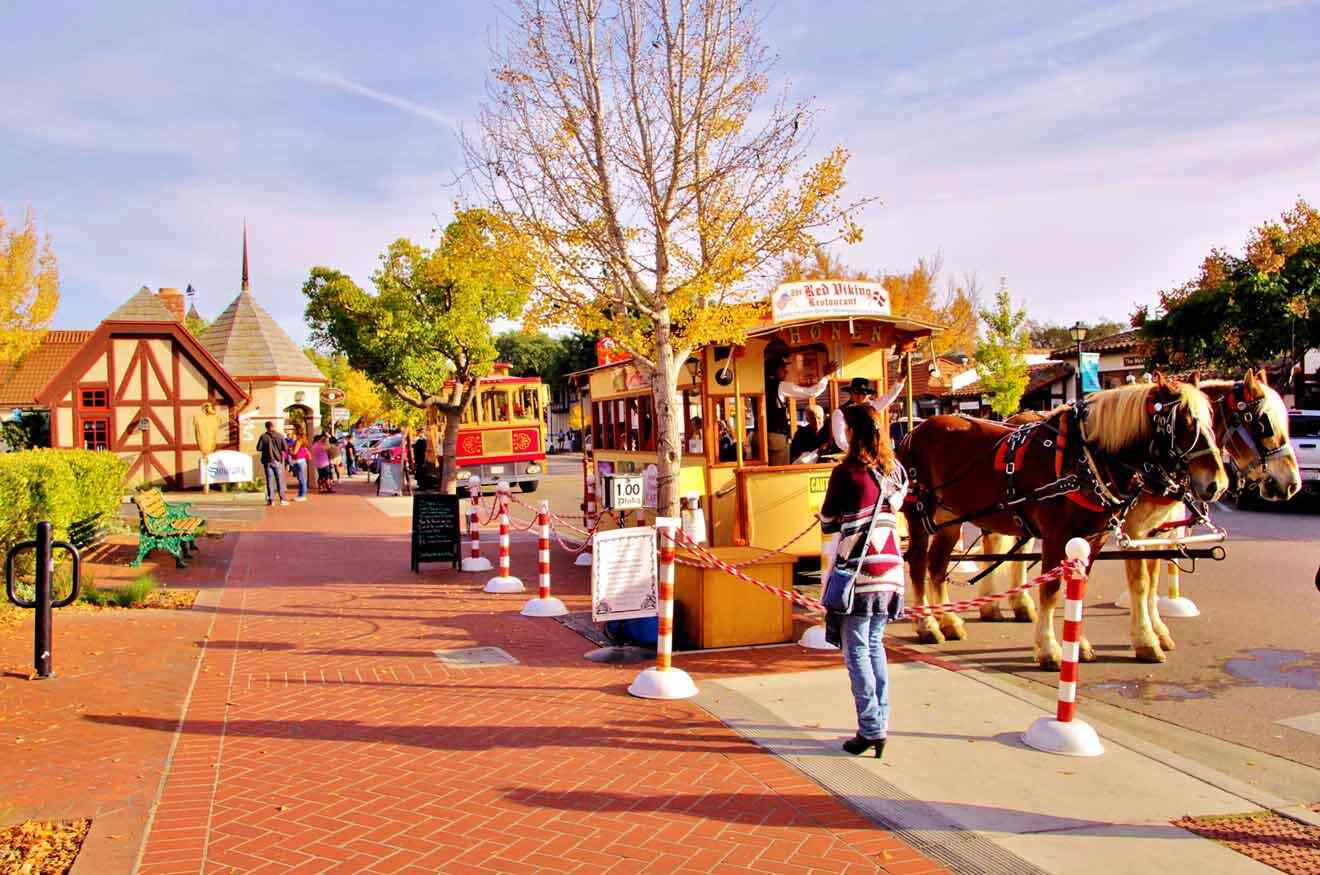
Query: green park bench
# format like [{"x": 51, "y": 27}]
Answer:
[{"x": 166, "y": 526}]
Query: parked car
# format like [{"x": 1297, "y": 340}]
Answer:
[
  {"x": 1304, "y": 432},
  {"x": 369, "y": 456},
  {"x": 1304, "y": 429}
]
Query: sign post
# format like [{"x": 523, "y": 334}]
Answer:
[{"x": 435, "y": 529}]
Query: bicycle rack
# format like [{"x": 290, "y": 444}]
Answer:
[{"x": 42, "y": 602}]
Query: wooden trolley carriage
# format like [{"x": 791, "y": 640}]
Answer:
[{"x": 750, "y": 505}]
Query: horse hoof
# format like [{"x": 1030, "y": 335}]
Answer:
[
  {"x": 1166, "y": 643},
  {"x": 1024, "y": 614},
  {"x": 1150, "y": 654},
  {"x": 954, "y": 633},
  {"x": 991, "y": 615},
  {"x": 930, "y": 636},
  {"x": 1048, "y": 663},
  {"x": 1086, "y": 654}
]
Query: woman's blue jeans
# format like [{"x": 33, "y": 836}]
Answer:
[
  {"x": 864, "y": 655},
  {"x": 300, "y": 468}
]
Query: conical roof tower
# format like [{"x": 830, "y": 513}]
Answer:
[
  {"x": 145, "y": 306},
  {"x": 250, "y": 343}
]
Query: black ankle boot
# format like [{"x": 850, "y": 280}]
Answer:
[{"x": 858, "y": 746}]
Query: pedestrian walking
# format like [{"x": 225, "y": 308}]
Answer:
[
  {"x": 336, "y": 457},
  {"x": 299, "y": 456},
  {"x": 865, "y": 579},
  {"x": 350, "y": 458},
  {"x": 272, "y": 449},
  {"x": 320, "y": 457}
]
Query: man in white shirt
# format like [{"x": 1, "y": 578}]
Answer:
[{"x": 777, "y": 393}]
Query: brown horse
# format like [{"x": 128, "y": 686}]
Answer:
[
  {"x": 1059, "y": 479},
  {"x": 1251, "y": 430}
]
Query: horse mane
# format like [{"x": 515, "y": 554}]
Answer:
[{"x": 1117, "y": 419}]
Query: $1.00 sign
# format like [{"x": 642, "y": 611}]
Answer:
[{"x": 626, "y": 491}]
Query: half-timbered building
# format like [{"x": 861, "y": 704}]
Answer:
[{"x": 134, "y": 387}]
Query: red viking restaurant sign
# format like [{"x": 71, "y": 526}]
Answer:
[
  {"x": 828, "y": 299},
  {"x": 608, "y": 353}
]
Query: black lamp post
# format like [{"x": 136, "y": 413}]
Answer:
[{"x": 1078, "y": 332}]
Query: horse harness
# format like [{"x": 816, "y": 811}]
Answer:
[{"x": 1089, "y": 481}]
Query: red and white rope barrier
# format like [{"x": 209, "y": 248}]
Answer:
[
  {"x": 474, "y": 561},
  {"x": 663, "y": 681},
  {"x": 584, "y": 558},
  {"x": 544, "y": 605},
  {"x": 504, "y": 581},
  {"x": 1064, "y": 733}
]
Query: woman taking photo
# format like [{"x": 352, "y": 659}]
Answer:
[{"x": 864, "y": 580}]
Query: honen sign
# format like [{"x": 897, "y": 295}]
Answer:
[{"x": 826, "y": 299}]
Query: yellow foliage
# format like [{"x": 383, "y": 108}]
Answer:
[
  {"x": 1272, "y": 243},
  {"x": 29, "y": 289}
]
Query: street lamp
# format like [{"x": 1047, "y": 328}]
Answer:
[{"x": 1078, "y": 332}]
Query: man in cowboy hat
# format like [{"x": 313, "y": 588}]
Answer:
[{"x": 860, "y": 392}]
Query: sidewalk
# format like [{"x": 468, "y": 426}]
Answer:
[{"x": 323, "y": 734}]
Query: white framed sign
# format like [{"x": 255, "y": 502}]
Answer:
[
  {"x": 969, "y": 406},
  {"x": 226, "y": 466},
  {"x": 627, "y": 491},
  {"x": 391, "y": 479},
  {"x": 828, "y": 299},
  {"x": 624, "y": 583}
]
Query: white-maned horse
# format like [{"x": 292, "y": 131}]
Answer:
[{"x": 1251, "y": 429}]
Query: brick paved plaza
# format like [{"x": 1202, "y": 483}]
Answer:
[{"x": 320, "y": 733}]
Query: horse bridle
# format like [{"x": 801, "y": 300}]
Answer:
[
  {"x": 1175, "y": 461},
  {"x": 1246, "y": 421}
]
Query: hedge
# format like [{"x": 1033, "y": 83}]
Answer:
[{"x": 62, "y": 486}]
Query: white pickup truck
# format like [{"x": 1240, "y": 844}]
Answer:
[{"x": 1304, "y": 430}]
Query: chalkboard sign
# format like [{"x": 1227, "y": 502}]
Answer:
[{"x": 435, "y": 530}]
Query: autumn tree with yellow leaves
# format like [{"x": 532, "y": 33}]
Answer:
[
  {"x": 29, "y": 288},
  {"x": 638, "y": 143}
]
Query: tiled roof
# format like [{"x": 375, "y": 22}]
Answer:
[
  {"x": 926, "y": 383},
  {"x": 145, "y": 306},
  {"x": 1130, "y": 339},
  {"x": 250, "y": 343},
  {"x": 19, "y": 384},
  {"x": 1038, "y": 376}
]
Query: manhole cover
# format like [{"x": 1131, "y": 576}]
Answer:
[{"x": 475, "y": 657}]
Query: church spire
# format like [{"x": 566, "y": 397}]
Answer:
[{"x": 246, "y": 287}]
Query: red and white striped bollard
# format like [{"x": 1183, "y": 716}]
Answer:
[
  {"x": 1064, "y": 733},
  {"x": 544, "y": 605},
  {"x": 584, "y": 558},
  {"x": 664, "y": 681},
  {"x": 474, "y": 561},
  {"x": 504, "y": 581}
]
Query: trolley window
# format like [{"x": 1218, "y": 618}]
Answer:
[{"x": 494, "y": 405}]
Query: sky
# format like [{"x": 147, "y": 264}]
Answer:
[{"x": 1086, "y": 154}]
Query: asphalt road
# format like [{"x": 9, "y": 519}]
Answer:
[{"x": 1246, "y": 671}]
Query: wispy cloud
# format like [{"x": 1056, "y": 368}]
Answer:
[{"x": 402, "y": 103}]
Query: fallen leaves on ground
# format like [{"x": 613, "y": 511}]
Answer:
[{"x": 41, "y": 847}]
